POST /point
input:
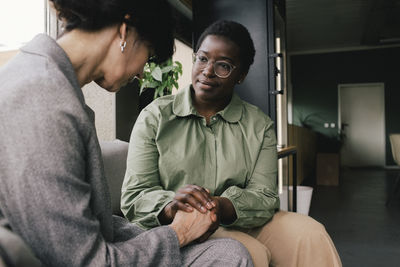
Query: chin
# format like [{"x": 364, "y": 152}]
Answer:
[
  {"x": 107, "y": 86},
  {"x": 113, "y": 89},
  {"x": 205, "y": 95}
]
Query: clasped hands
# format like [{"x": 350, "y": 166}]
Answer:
[{"x": 194, "y": 212}]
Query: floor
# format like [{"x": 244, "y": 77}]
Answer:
[{"x": 364, "y": 230}]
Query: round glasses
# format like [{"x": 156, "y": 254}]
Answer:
[{"x": 221, "y": 68}]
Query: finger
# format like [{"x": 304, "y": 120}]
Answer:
[
  {"x": 194, "y": 196},
  {"x": 202, "y": 195},
  {"x": 177, "y": 205},
  {"x": 213, "y": 217},
  {"x": 212, "y": 200},
  {"x": 191, "y": 200}
]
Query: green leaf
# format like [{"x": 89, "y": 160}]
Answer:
[
  {"x": 152, "y": 84},
  {"x": 152, "y": 66},
  {"x": 157, "y": 73},
  {"x": 179, "y": 64},
  {"x": 167, "y": 69},
  {"x": 144, "y": 85},
  {"x": 163, "y": 77}
]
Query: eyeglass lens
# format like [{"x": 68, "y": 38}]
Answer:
[{"x": 221, "y": 68}]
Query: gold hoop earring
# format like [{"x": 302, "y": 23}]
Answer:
[{"x": 122, "y": 45}]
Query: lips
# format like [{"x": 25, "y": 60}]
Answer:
[{"x": 207, "y": 84}]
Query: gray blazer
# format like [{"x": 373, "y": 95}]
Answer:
[{"x": 53, "y": 191}]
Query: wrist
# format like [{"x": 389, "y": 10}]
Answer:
[
  {"x": 180, "y": 233},
  {"x": 226, "y": 211},
  {"x": 165, "y": 216}
]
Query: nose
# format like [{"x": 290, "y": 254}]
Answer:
[{"x": 208, "y": 70}]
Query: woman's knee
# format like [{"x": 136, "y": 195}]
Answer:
[
  {"x": 219, "y": 252},
  {"x": 232, "y": 250},
  {"x": 288, "y": 226},
  {"x": 258, "y": 252},
  {"x": 296, "y": 223}
]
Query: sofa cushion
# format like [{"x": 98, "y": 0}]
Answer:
[{"x": 114, "y": 157}]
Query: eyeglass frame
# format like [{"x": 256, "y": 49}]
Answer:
[{"x": 194, "y": 55}]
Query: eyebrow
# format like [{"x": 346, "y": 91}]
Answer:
[{"x": 224, "y": 58}]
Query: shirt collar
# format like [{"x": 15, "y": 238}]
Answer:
[
  {"x": 233, "y": 111},
  {"x": 183, "y": 106}
]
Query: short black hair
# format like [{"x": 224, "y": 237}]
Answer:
[
  {"x": 236, "y": 33},
  {"x": 152, "y": 19}
]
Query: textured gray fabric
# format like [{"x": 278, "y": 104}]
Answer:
[
  {"x": 222, "y": 252},
  {"x": 53, "y": 190},
  {"x": 17, "y": 253}
]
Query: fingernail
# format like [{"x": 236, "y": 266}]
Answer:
[
  {"x": 203, "y": 209},
  {"x": 209, "y": 206}
]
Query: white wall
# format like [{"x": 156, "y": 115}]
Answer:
[
  {"x": 183, "y": 54},
  {"x": 103, "y": 104}
]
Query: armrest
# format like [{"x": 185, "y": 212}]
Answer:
[{"x": 114, "y": 157}]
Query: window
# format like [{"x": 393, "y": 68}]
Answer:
[{"x": 20, "y": 21}]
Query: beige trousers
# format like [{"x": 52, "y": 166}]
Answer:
[{"x": 289, "y": 239}]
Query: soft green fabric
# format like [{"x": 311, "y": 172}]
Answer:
[{"x": 234, "y": 157}]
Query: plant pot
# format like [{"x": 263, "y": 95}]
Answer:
[{"x": 304, "y": 195}]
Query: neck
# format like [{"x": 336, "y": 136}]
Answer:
[
  {"x": 209, "y": 108},
  {"x": 87, "y": 51}
]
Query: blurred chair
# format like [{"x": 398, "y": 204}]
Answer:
[{"x": 395, "y": 144}]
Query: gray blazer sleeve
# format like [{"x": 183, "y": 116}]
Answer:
[{"x": 49, "y": 192}]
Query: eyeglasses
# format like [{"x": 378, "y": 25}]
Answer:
[{"x": 221, "y": 68}]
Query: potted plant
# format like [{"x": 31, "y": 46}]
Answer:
[{"x": 158, "y": 80}]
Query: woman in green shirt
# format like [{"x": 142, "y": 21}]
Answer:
[{"x": 206, "y": 149}]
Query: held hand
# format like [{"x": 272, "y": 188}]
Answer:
[
  {"x": 190, "y": 226},
  {"x": 196, "y": 196},
  {"x": 224, "y": 213},
  {"x": 215, "y": 224},
  {"x": 187, "y": 198}
]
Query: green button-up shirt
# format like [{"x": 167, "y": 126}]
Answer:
[{"x": 171, "y": 145}]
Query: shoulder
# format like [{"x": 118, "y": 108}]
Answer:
[
  {"x": 35, "y": 91},
  {"x": 162, "y": 106},
  {"x": 255, "y": 116}
]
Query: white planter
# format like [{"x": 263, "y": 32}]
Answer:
[{"x": 304, "y": 194}]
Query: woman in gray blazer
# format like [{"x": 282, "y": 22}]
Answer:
[{"x": 53, "y": 190}]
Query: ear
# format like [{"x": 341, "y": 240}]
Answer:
[
  {"x": 123, "y": 31},
  {"x": 241, "y": 78}
]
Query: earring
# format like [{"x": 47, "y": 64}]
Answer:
[
  {"x": 239, "y": 82},
  {"x": 122, "y": 44}
]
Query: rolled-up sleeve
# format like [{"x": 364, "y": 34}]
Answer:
[
  {"x": 257, "y": 202},
  {"x": 143, "y": 197}
]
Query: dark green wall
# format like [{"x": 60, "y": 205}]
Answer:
[{"x": 315, "y": 79}]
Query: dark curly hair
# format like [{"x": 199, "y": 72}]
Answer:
[
  {"x": 238, "y": 34},
  {"x": 152, "y": 19}
]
